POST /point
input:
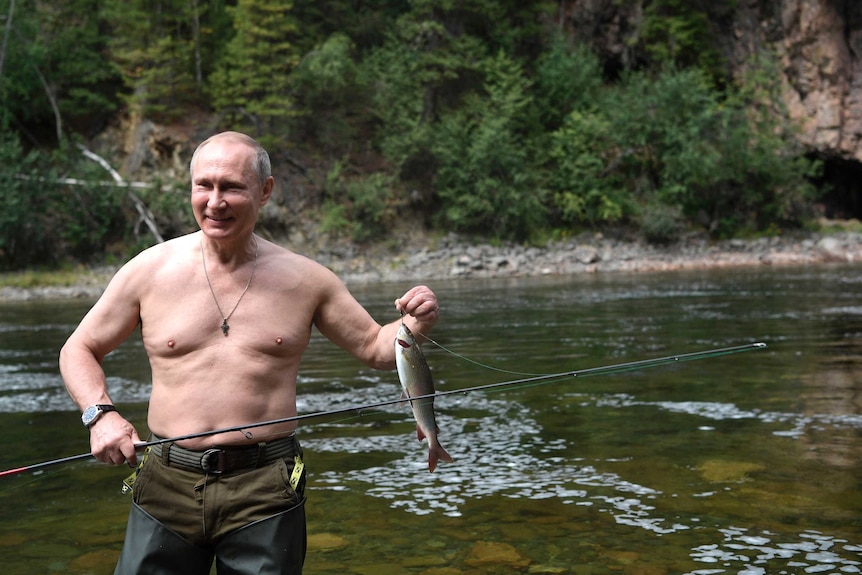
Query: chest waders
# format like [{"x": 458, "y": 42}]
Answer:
[
  {"x": 265, "y": 533},
  {"x": 275, "y": 545}
]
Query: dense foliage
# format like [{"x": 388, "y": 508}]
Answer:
[{"x": 479, "y": 116}]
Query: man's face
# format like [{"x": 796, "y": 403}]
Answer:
[{"x": 226, "y": 192}]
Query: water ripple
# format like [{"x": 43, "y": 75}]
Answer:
[
  {"x": 527, "y": 466},
  {"x": 743, "y": 553},
  {"x": 718, "y": 411}
]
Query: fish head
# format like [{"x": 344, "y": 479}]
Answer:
[{"x": 404, "y": 338}]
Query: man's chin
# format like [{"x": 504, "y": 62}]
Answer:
[{"x": 217, "y": 226}]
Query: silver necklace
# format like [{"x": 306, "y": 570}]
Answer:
[{"x": 224, "y": 326}]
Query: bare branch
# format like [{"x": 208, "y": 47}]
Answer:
[
  {"x": 58, "y": 120},
  {"x": 144, "y": 213}
]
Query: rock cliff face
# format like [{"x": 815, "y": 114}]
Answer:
[
  {"x": 819, "y": 47},
  {"x": 818, "y": 43}
]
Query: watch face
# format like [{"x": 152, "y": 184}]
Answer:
[{"x": 90, "y": 414}]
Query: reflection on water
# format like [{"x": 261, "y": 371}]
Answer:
[
  {"x": 745, "y": 464},
  {"x": 761, "y": 554},
  {"x": 796, "y": 424}
]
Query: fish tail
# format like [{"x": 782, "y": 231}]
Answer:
[{"x": 436, "y": 453}]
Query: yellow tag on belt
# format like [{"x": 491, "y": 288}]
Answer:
[
  {"x": 296, "y": 475},
  {"x": 129, "y": 482}
]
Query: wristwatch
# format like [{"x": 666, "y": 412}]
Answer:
[{"x": 92, "y": 413}]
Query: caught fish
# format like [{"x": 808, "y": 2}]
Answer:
[{"x": 415, "y": 376}]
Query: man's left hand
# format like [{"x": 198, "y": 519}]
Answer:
[{"x": 421, "y": 303}]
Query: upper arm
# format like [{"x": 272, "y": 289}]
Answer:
[
  {"x": 343, "y": 320},
  {"x": 113, "y": 318}
]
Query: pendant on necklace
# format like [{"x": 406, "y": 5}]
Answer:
[{"x": 224, "y": 326}]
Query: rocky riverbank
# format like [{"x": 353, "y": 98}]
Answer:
[
  {"x": 592, "y": 253},
  {"x": 452, "y": 258}
]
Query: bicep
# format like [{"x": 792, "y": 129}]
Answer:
[
  {"x": 343, "y": 320},
  {"x": 110, "y": 321}
]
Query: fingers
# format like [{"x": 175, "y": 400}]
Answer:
[
  {"x": 112, "y": 441},
  {"x": 421, "y": 303},
  {"x": 111, "y": 456},
  {"x": 124, "y": 454},
  {"x": 129, "y": 452}
]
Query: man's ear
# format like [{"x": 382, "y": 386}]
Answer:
[{"x": 268, "y": 186}]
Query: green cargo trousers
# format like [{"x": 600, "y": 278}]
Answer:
[{"x": 250, "y": 521}]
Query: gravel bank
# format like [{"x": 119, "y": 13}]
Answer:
[
  {"x": 588, "y": 253},
  {"x": 592, "y": 253}
]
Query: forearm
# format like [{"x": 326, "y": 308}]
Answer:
[
  {"x": 83, "y": 376},
  {"x": 349, "y": 325},
  {"x": 112, "y": 437}
]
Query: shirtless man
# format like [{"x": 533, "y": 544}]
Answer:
[{"x": 225, "y": 317}]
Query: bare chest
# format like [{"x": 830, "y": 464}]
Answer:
[{"x": 187, "y": 319}]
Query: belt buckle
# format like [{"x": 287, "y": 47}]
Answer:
[{"x": 212, "y": 461}]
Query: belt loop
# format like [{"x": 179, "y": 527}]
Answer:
[
  {"x": 261, "y": 454},
  {"x": 166, "y": 453}
]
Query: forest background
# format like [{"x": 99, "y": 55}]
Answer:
[{"x": 481, "y": 117}]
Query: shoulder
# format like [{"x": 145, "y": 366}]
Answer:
[
  {"x": 152, "y": 263},
  {"x": 175, "y": 251},
  {"x": 303, "y": 281},
  {"x": 291, "y": 265}
]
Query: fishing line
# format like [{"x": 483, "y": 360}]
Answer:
[
  {"x": 37, "y": 477},
  {"x": 613, "y": 369},
  {"x": 526, "y": 381},
  {"x": 467, "y": 359},
  {"x": 478, "y": 363}
]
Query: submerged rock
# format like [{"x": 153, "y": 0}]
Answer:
[
  {"x": 486, "y": 553},
  {"x": 728, "y": 471},
  {"x": 326, "y": 541}
]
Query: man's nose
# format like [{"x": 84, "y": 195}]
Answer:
[{"x": 216, "y": 199}]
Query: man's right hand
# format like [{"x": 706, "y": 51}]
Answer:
[{"x": 113, "y": 439}]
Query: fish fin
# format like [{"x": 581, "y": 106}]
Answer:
[
  {"x": 420, "y": 435},
  {"x": 405, "y": 399},
  {"x": 436, "y": 453}
]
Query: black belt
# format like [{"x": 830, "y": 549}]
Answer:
[{"x": 218, "y": 460}]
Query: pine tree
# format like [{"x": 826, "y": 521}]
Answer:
[
  {"x": 251, "y": 83},
  {"x": 155, "y": 45}
]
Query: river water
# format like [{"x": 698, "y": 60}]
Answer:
[{"x": 749, "y": 463}]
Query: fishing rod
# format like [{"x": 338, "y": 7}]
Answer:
[{"x": 535, "y": 379}]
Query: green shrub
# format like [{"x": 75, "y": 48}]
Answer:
[
  {"x": 567, "y": 79},
  {"x": 585, "y": 191},
  {"x": 361, "y": 208},
  {"x": 661, "y": 223},
  {"x": 329, "y": 93},
  {"x": 22, "y": 218},
  {"x": 485, "y": 173},
  {"x": 705, "y": 152}
]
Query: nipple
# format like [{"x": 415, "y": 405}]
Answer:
[
  {"x": 171, "y": 343},
  {"x": 278, "y": 341}
]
